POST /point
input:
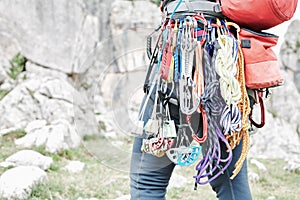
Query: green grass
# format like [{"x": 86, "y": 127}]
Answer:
[
  {"x": 17, "y": 66},
  {"x": 276, "y": 182},
  {"x": 6, "y": 143},
  {"x": 3, "y": 93},
  {"x": 105, "y": 178},
  {"x": 95, "y": 181},
  {"x": 157, "y": 2}
]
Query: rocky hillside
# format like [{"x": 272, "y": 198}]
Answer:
[
  {"x": 78, "y": 66},
  {"x": 73, "y": 52},
  {"x": 71, "y": 69}
]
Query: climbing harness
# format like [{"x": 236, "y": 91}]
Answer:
[{"x": 199, "y": 71}]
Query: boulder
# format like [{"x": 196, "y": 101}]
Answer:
[
  {"x": 49, "y": 99},
  {"x": 253, "y": 177},
  {"x": 292, "y": 166},
  {"x": 261, "y": 167},
  {"x": 29, "y": 158},
  {"x": 123, "y": 197},
  {"x": 74, "y": 166},
  {"x": 35, "y": 125},
  {"x": 17, "y": 183},
  {"x": 81, "y": 198},
  {"x": 58, "y": 135}
]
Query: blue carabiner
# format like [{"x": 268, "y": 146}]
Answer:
[{"x": 187, "y": 159}]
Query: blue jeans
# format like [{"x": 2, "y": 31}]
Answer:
[{"x": 150, "y": 175}]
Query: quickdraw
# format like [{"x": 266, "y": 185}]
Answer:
[{"x": 189, "y": 101}]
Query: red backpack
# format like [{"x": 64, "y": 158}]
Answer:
[
  {"x": 258, "y": 14},
  {"x": 262, "y": 69}
]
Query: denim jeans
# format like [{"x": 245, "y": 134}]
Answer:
[{"x": 150, "y": 175}]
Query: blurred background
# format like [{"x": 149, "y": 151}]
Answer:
[{"x": 71, "y": 77}]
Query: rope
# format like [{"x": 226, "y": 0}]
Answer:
[
  {"x": 244, "y": 107},
  {"x": 231, "y": 119},
  {"x": 226, "y": 69},
  {"x": 212, "y": 104}
]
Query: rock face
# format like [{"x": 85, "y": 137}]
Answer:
[
  {"x": 285, "y": 103},
  {"x": 17, "y": 183},
  {"x": 290, "y": 52},
  {"x": 129, "y": 32},
  {"x": 58, "y": 34},
  {"x": 124, "y": 70}
]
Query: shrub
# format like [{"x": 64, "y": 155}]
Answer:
[{"x": 17, "y": 65}]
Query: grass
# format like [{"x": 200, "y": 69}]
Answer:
[
  {"x": 276, "y": 182},
  {"x": 157, "y": 2},
  {"x": 3, "y": 93},
  {"x": 17, "y": 66},
  {"x": 188, "y": 192},
  {"x": 105, "y": 175}
]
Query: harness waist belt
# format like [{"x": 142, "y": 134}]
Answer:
[{"x": 193, "y": 7}]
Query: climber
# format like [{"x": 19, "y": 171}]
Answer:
[
  {"x": 150, "y": 172},
  {"x": 196, "y": 106}
]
